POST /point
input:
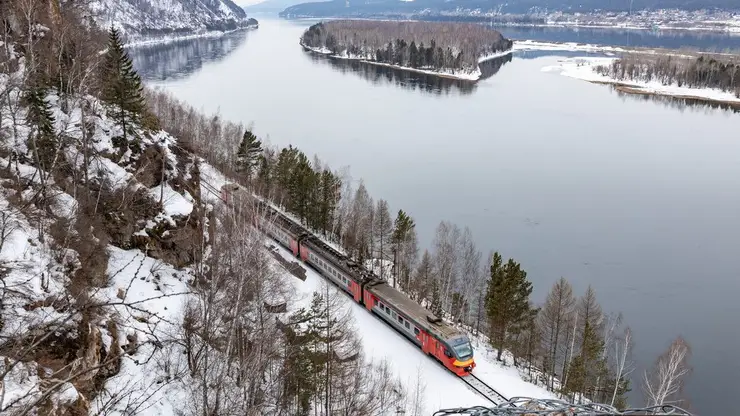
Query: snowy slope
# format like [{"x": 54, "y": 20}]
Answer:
[
  {"x": 440, "y": 388},
  {"x": 139, "y": 18}
]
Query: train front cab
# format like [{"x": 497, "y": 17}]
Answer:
[{"x": 457, "y": 355}]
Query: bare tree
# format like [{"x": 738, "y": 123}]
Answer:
[
  {"x": 421, "y": 281},
  {"x": 623, "y": 364},
  {"x": 382, "y": 232},
  {"x": 470, "y": 275},
  {"x": 663, "y": 384},
  {"x": 447, "y": 261},
  {"x": 553, "y": 317}
]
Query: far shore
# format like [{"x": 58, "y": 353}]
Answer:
[
  {"x": 462, "y": 76},
  {"x": 637, "y": 90},
  {"x": 147, "y": 41}
]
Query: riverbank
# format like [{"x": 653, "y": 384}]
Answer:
[
  {"x": 177, "y": 38},
  {"x": 471, "y": 76},
  {"x": 583, "y": 69}
]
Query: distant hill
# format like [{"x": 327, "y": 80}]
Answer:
[
  {"x": 273, "y": 6},
  {"x": 369, "y": 7},
  {"x": 137, "y": 18}
]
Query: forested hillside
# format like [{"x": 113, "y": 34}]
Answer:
[
  {"x": 419, "y": 45},
  {"x": 139, "y": 19},
  {"x": 432, "y": 7},
  {"x": 127, "y": 287}
]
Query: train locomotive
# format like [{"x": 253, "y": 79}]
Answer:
[{"x": 433, "y": 336}]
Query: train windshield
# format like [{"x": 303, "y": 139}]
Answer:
[{"x": 462, "y": 347}]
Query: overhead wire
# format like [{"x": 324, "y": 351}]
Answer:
[{"x": 553, "y": 407}]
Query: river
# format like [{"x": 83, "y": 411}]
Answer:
[{"x": 636, "y": 197}]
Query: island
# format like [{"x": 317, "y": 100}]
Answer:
[{"x": 445, "y": 49}]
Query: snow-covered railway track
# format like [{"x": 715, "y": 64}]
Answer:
[{"x": 480, "y": 387}]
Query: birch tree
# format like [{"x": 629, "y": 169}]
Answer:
[
  {"x": 664, "y": 382},
  {"x": 447, "y": 260},
  {"x": 470, "y": 276},
  {"x": 623, "y": 364}
]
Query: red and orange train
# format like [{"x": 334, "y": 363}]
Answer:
[{"x": 435, "y": 337}]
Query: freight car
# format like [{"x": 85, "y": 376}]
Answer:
[{"x": 433, "y": 336}]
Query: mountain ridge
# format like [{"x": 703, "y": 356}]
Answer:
[
  {"x": 152, "y": 18},
  {"x": 339, "y": 7}
]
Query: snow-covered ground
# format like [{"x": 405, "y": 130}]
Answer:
[
  {"x": 442, "y": 389},
  {"x": 583, "y": 69},
  {"x": 527, "y": 45},
  {"x": 466, "y": 75}
]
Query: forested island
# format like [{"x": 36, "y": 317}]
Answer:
[{"x": 440, "y": 48}]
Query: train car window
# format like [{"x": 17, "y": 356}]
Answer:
[
  {"x": 416, "y": 331},
  {"x": 407, "y": 325},
  {"x": 400, "y": 320}
]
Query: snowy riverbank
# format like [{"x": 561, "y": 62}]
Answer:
[
  {"x": 463, "y": 75},
  {"x": 147, "y": 41},
  {"x": 583, "y": 69}
]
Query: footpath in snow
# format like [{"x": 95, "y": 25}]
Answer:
[
  {"x": 464, "y": 75},
  {"x": 583, "y": 69},
  {"x": 441, "y": 388}
]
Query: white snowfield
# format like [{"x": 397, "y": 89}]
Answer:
[
  {"x": 583, "y": 69},
  {"x": 442, "y": 389},
  {"x": 464, "y": 74}
]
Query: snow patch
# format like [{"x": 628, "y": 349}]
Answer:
[
  {"x": 173, "y": 202},
  {"x": 583, "y": 69}
]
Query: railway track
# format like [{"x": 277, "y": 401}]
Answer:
[{"x": 480, "y": 387}]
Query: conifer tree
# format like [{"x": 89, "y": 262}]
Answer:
[
  {"x": 507, "y": 301},
  {"x": 248, "y": 154},
  {"x": 436, "y": 300},
  {"x": 264, "y": 174},
  {"x": 43, "y": 140},
  {"x": 423, "y": 276},
  {"x": 402, "y": 241},
  {"x": 329, "y": 189},
  {"x": 121, "y": 85}
]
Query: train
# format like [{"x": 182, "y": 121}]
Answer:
[{"x": 432, "y": 335}]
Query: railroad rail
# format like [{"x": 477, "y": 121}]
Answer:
[{"x": 480, "y": 387}]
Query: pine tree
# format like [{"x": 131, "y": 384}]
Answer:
[
  {"x": 121, "y": 85},
  {"x": 43, "y": 142},
  {"x": 402, "y": 241},
  {"x": 248, "y": 154},
  {"x": 420, "y": 286},
  {"x": 264, "y": 175},
  {"x": 507, "y": 301},
  {"x": 330, "y": 186},
  {"x": 588, "y": 366},
  {"x": 436, "y": 299}
]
